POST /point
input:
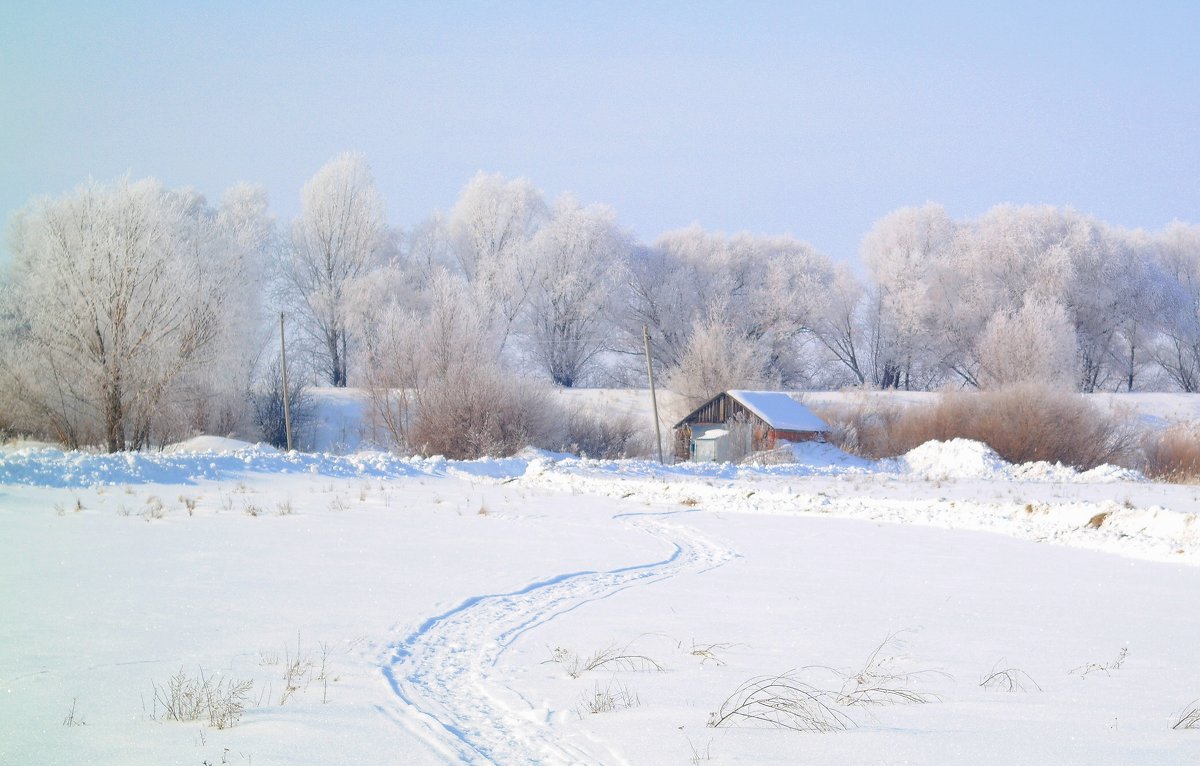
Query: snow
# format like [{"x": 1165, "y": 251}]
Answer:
[
  {"x": 216, "y": 444},
  {"x": 957, "y": 459},
  {"x": 780, "y": 410},
  {"x": 446, "y": 608}
]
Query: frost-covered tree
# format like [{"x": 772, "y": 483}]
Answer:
[
  {"x": 662, "y": 297},
  {"x": 769, "y": 289},
  {"x": 218, "y": 389},
  {"x": 490, "y": 230},
  {"x": 1141, "y": 297},
  {"x": 939, "y": 285},
  {"x": 1177, "y": 350},
  {"x": 580, "y": 258},
  {"x": 844, "y": 326},
  {"x": 785, "y": 292},
  {"x": 340, "y": 235},
  {"x": 440, "y": 386},
  {"x": 118, "y": 292},
  {"x": 715, "y": 360},
  {"x": 909, "y": 254},
  {"x": 1035, "y": 344}
]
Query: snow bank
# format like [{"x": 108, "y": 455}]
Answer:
[
  {"x": 209, "y": 457},
  {"x": 968, "y": 459},
  {"x": 214, "y": 444},
  {"x": 56, "y": 468}
]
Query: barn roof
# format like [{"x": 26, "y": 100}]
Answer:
[{"x": 779, "y": 410}]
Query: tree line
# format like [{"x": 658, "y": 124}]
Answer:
[{"x": 133, "y": 313}]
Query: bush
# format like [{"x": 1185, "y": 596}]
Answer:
[
  {"x": 1172, "y": 455},
  {"x": 470, "y": 412},
  {"x": 1022, "y": 423},
  {"x": 603, "y": 437},
  {"x": 267, "y": 404}
]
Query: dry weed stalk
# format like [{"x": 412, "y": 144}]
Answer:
[
  {"x": 1189, "y": 718},
  {"x": 1008, "y": 680},
  {"x": 784, "y": 702},
  {"x": 614, "y": 658}
]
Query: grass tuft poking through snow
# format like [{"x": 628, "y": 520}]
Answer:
[
  {"x": 219, "y": 701},
  {"x": 73, "y": 716},
  {"x": 1008, "y": 680},
  {"x": 614, "y": 658},
  {"x": 1102, "y": 667},
  {"x": 783, "y": 702},
  {"x": 608, "y": 698}
]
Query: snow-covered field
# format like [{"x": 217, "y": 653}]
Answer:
[{"x": 390, "y": 610}]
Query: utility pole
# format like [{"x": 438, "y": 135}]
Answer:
[
  {"x": 653, "y": 396},
  {"x": 287, "y": 407}
]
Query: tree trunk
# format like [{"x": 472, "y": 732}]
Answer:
[{"x": 114, "y": 417}]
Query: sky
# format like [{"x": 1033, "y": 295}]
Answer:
[{"x": 807, "y": 118}]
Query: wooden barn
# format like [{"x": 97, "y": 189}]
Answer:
[{"x": 735, "y": 423}]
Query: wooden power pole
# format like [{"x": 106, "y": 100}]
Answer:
[
  {"x": 287, "y": 406},
  {"x": 653, "y": 396}
]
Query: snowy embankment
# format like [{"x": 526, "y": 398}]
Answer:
[
  {"x": 546, "y": 609},
  {"x": 1107, "y": 508}
]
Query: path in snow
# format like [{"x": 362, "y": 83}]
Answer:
[{"x": 445, "y": 676}]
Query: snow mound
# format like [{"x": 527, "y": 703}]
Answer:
[
  {"x": 956, "y": 459},
  {"x": 215, "y": 444},
  {"x": 967, "y": 459},
  {"x": 1104, "y": 474},
  {"x": 23, "y": 445},
  {"x": 822, "y": 455}
]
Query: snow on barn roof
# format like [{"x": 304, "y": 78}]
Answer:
[{"x": 780, "y": 411}]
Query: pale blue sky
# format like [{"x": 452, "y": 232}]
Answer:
[{"x": 813, "y": 119}]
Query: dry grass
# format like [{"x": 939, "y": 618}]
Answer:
[
  {"x": 607, "y": 699},
  {"x": 787, "y": 701},
  {"x": 613, "y": 658},
  {"x": 470, "y": 413},
  {"x": 73, "y": 716},
  {"x": 782, "y": 702},
  {"x": 1022, "y": 424},
  {"x": 602, "y": 436},
  {"x": 1102, "y": 667},
  {"x": 218, "y": 700},
  {"x": 1173, "y": 455},
  {"x": 1008, "y": 680},
  {"x": 1189, "y": 718}
]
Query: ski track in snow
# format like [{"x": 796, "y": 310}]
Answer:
[{"x": 444, "y": 674}]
